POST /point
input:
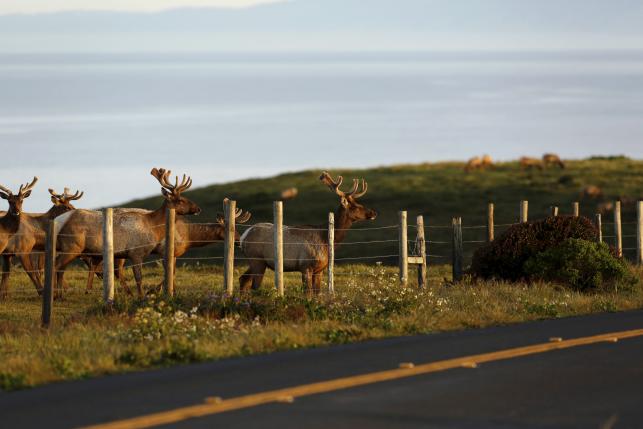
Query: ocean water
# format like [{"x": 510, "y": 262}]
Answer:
[{"x": 100, "y": 122}]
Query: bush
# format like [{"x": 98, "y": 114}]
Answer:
[
  {"x": 582, "y": 265},
  {"x": 505, "y": 257}
]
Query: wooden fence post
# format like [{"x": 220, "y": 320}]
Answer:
[
  {"x": 576, "y": 209},
  {"x": 554, "y": 211},
  {"x": 524, "y": 208},
  {"x": 457, "y": 248},
  {"x": 278, "y": 238},
  {"x": 108, "y": 256},
  {"x": 331, "y": 253},
  {"x": 639, "y": 232},
  {"x": 170, "y": 218},
  {"x": 599, "y": 226},
  {"x": 421, "y": 242},
  {"x": 50, "y": 274},
  {"x": 490, "y": 224},
  {"x": 618, "y": 234},
  {"x": 404, "y": 253},
  {"x": 228, "y": 255}
]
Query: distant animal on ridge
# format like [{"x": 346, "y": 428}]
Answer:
[
  {"x": 553, "y": 160},
  {"x": 527, "y": 163}
]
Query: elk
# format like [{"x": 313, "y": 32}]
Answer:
[
  {"x": 527, "y": 163},
  {"x": 552, "y": 159},
  {"x": 591, "y": 192},
  {"x": 305, "y": 246},
  {"x": 10, "y": 222},
  {"x": 487, "y": 161},
  {"x": 474, "y": 163},
  {"x": 137, "y": 233},
  {"x": 289, "y": 193},
  {"x": 187, "y": 236},
  {"x": 31, "y": 236}
]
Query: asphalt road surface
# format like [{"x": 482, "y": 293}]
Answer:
[{"x": 589, "y": 386}]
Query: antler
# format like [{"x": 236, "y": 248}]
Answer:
[
  {"x": 27, "y": 187},
  {"x": 162, "y": 176},
  {"x": 6, "y": 190},
  {"x": 66, "y": 195},
  {"x": 334, "y": 186},
  {"x": 239, "y": 215}
]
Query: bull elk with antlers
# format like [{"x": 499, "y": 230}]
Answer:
[
  {"x": 11, "y": 221},
  {"x": 31, "y": 236},
  {"x": 137, "y": 233},
  {"x": 305, "y": 246}
]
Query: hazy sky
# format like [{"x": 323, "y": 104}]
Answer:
[{"x": 41, "y": 6}]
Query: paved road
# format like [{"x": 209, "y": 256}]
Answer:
[{"x": 593, "y": 386}]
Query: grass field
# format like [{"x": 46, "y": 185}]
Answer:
[{"x": 201, "y": 323}]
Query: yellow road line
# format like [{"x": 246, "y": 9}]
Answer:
[{"x": 215, "y": 407}]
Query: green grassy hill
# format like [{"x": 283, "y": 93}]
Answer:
[{"x": 439, "y": 191}]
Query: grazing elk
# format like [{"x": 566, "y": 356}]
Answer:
[
  {"x": 305, "y": 247},
  {"x": 527, "y": 163},
  {"x": 487, "y": 162},
  {"x": 11, "y": 221},
  {"x": 31, "y": 236},
  {"x": 552, "y": 159},
  {"x": 137, "y": 233},
  {"x": 474, "y": 163}
]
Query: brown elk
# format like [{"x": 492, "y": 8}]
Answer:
[
  {"x": 305, "y": 247},
  {"x": 289, "y": 193},
  {"x": 591, "y": 192},
  {"x": 137, "y": 233},
  {"x": 527, "y": 163},
  {"x": 11, "y": 221},
  {"x": 474, "y": 163},
  {"x": 187, "y": 236},
  {"x": 31, "y": 237},
  {"x": 487, "y": 162},
  {"x": 552, "y": 159}
]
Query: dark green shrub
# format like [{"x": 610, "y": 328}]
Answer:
[
  {"x": 504, "y": 257},
  {"x": 582, "y": 265}
]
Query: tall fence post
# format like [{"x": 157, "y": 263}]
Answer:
[
  {"x": 331, "y": 253},
  {"x": 457, "y": 248},
  {"x": 639, "y": 232},
  {"x": 421, "y": 242},
  {"x": 490, "y": 224},
  {"x": 576, "y": 209},
  {"x": 108, "y": 256},
  {"x": 554, "y": 211},
  {"x": 50, "y": 274},
  {"x": 618, "y": 234},
  {"x": 170, "y": 218},
  {"x": 278, "y": 238},
  {"x": 524, "y": 209},
  {"x": 228, "y": 255},
  {"x": 599, "y": 226},
  {"x": 404, "y": 253}
]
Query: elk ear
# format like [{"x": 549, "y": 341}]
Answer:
[
  {"x": 344, "y": 202},
  {"x": 26, "y": 195},
  {"x": 55, "y": 201},
  {"x": 4, "y": 196},
  {"x": 220, "y": 219},
  {"x": 167, "y": 194}
]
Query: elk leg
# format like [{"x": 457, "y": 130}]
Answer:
[
  {"x": 138, "y": 276},
  {"x": 307, "y": 280},
  {"x": 120, "y": 274},
  {"x": 64, "y": 259},
  {"x": 317, "y": 278},
  {"x": 92, "y": 267},
  {"x": 6, "y": 271},
  {"x": 31, "y": 272},
  {"x": 253, "y": 276}
]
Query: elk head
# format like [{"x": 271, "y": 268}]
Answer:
[
  {"x": 348, "y": 200},
  {"x": 64, "y": 200},
  {"x": 239, "y": 217},
  {"x": 172, "y": 192},
  {"x": 15, "y": 200}
]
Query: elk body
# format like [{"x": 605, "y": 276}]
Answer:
[
  {"x": 305, "y": 246},
  {"x": 11, "y": 221},
  {"x": 527, "y": 163},
  {"x": 137, "y": 233},
  {"x": 31, "y": 236},
  {"x": 553, "y": 159}
]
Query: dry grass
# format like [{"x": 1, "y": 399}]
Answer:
[{"x": 201, "y": 323}]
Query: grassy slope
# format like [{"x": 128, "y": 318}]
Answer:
[{"x": 438, "y": 191}]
